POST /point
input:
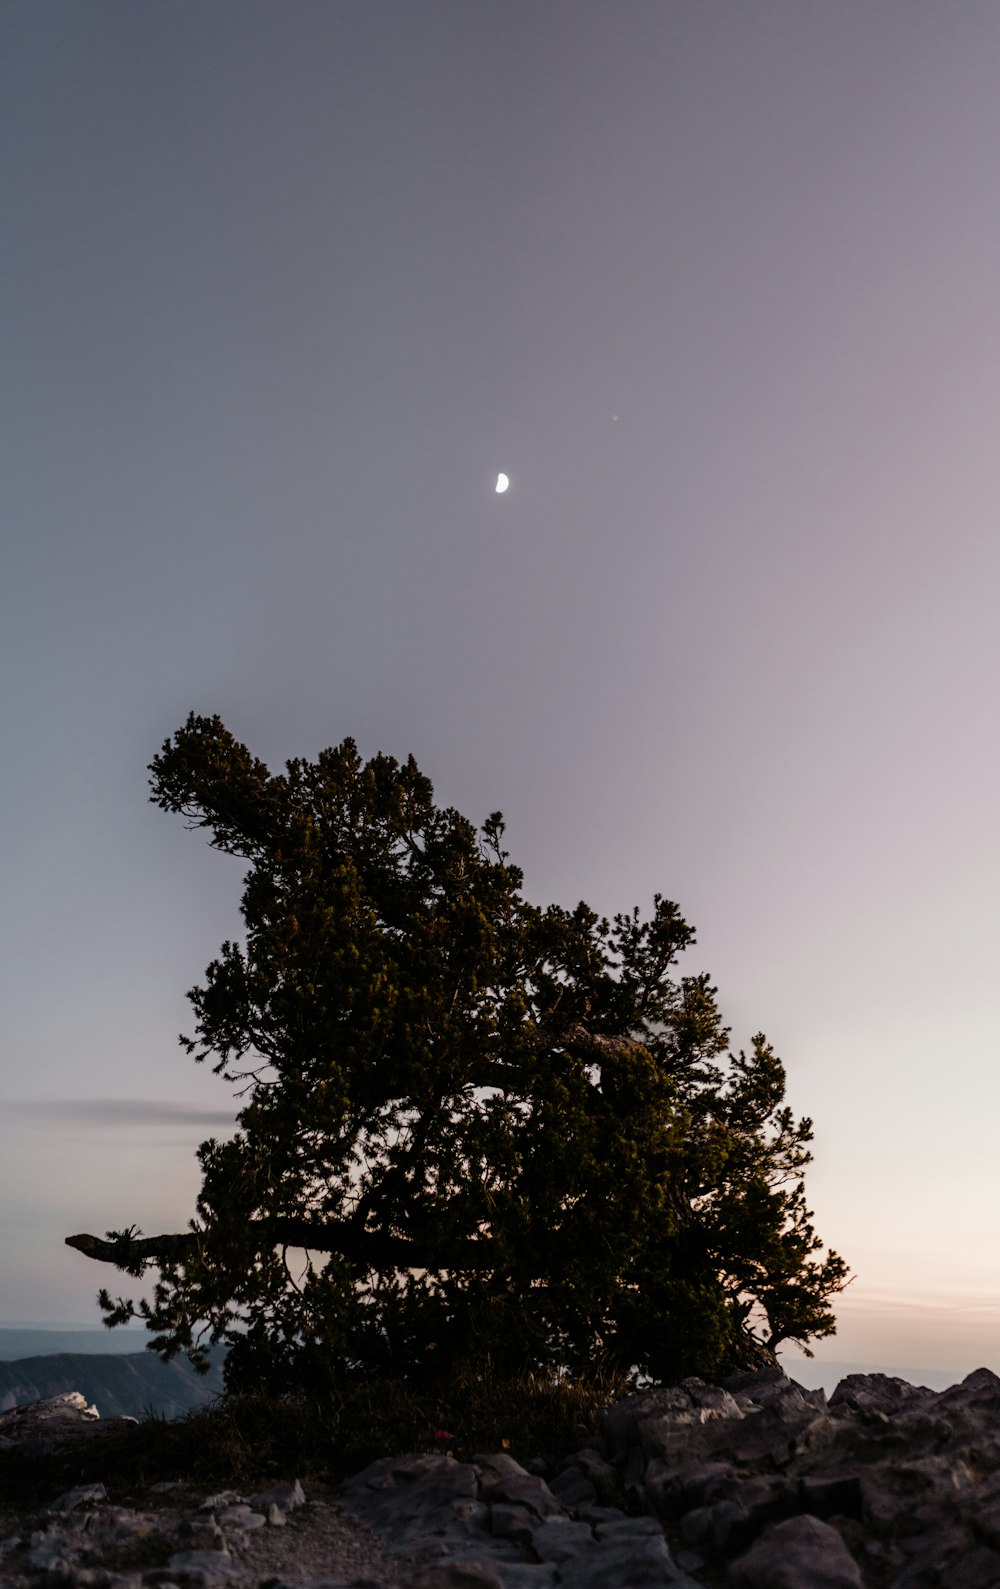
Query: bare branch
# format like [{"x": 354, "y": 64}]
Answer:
[{"x": 373, "y": 1249}]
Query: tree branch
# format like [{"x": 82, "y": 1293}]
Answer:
[
  {"x": 594, "y": 1046},
  {"x": 374, "y": 1249},
  {"x": 144, "y": 1247}
]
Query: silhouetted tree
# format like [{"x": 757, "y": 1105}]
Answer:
[{"x": 471, "y": 1128}]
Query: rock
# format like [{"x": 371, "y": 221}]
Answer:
[
  {"x": 538, "y": 1466},
  {"x": 834, "y": 1496},
  {"x": 202, "y": 1532},
  {"x": 241, "y": 1519},
  {"x": 981, "y": 1508},
  {"x": 641, "y": 1564},
  {"x": 628, "y": 1528},
  {"x": 696, "y": 1526},
  {"x": 770, "y": 1387},
  {"x": 597, "y": 1471},
  {"x": 965, "y": 1565},
  {"x": 456, "y": 1575},
  {"x": 201, "y": 1567},
  {"x": 670, "y": 1495},
  {"x": 732, "y": 1523},
  {"x": 571, "y": 1487},
  {"x": 513, "y": 1522},
  {"x": 286, "y": 1497},
  {"x": 415, "y": 1497},
  {"x": 801, "y": 1553},
  {"x": 224, "y": 1498},
  {"x": 47, "y": 1421},
  {"x": 74, "y": 1498},
  {"x": 561, "y": 1539},
  {"x": 528, "y": 1575},
  {"x": 876, "y": 1393},
  {"x": 523, "y": 1489}
]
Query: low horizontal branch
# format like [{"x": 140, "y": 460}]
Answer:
[
  {"x": 373, "y": 1249},
  {"x": 143, "y": 1247}
]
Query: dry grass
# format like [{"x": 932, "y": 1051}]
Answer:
[{"x": 244, "y": 1442}]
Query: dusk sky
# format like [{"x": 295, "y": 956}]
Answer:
[{"x": 283, "y": 287}]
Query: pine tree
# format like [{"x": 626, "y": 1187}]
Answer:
[{"x": 470, "y": 1129}]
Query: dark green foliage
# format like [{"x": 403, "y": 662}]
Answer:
[{"x": 473, "y": 1131}]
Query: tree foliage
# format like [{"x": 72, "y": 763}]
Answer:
[{"x": 470, "y": 1129}]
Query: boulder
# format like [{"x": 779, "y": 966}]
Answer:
[
  {"x": 801, "y": 1553},
  {"x": 876, "y": 1393}
]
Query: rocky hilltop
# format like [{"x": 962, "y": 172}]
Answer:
[{"x": 753, "y": 1484}]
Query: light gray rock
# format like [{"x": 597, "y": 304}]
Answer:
[
  {"x": 284, "y": 1496},
  {"x": 211, "y": 1503},
  {"x": 237, "y": 1521},
  {"x": 45, "y": 1420},
  {"x": 84, "y": 1494}
]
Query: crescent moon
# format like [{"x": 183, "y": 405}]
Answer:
[{"x": 502, "y": 483}]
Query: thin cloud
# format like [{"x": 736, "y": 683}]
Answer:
[{"x": 120, "y": 1112}]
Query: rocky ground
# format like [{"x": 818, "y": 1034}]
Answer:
[{"x": 757, "y": 1484}]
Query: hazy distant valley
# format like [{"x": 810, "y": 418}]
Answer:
[{"x": 35, "y": 1364}]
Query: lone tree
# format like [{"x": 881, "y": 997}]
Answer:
[{"x": 472, "y": 1130}]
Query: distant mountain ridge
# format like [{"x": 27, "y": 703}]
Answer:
[
  {"x": 25, "y": 1340},
  {"x": 117, "y": 1384}
]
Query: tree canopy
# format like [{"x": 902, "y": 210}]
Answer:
[{"x": 470, "y": 1128}]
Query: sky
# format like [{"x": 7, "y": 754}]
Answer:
[{"x": 282, "y": 289}]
